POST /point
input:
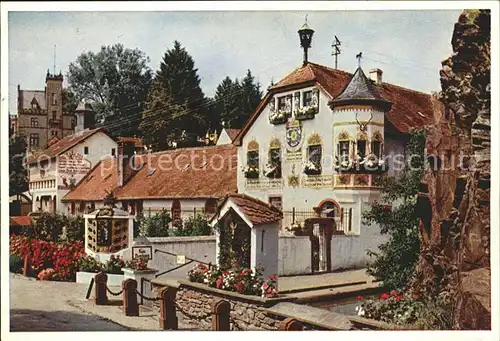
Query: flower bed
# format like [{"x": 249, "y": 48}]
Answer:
[
  {"x": 243, "y": 281},
  {"x": 61, "y": 258},
  {"x": 60, "y": 262},
  {"x": 393, "y": 307}
]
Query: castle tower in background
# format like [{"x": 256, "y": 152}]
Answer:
[{"x": 40, "y": 114}]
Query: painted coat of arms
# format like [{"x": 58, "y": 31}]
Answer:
[{"x": 294, "y": 136}]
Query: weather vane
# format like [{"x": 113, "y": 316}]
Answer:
[{"x": 359, "y": 56}]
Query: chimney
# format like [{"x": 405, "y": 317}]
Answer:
[
  {"x": 376, "y": 76},
  {"x": 85, "y": 117},
  {"x": 126, "y": 166}
]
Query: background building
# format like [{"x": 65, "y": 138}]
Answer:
[{"x": 40, "y": 114}]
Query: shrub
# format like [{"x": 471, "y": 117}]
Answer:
[
  {"x": 140, "y": 263},
  {"x": 47, "y": 274},
  {"x": 89, "y": 264},
  {"x": 193, "y": 226},
  {"x": 75, "y": 230},
  {"x": 16, "y": 263},
  {"x": 63, "y": 258},
  {"x": 395, "y": 261},
  {"x": 243, "y": 281},
  {"x": 49, "y": 226},
  {"x": 114, "y": 265},
  {"x": 155, "y": 225}
]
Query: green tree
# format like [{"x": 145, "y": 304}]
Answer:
[
  {"x": 18, "y": 177},
  {"x": 236, "y": 100},
  {"x": 396, "y": 258},
  {"x": 176, "y": 104},
  {"x": 69, "y": 101},
  {"x": 228, "y": 102},
  {"x": 116, "y": 80}
]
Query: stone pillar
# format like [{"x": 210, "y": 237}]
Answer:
[
  {"x": 101, "y": 295},
  {"x": 220, "y": 315},
  {"x": 27, "y": 266},
  {"x": 130, "y": 306},
  {"x": 168, "y": 316}
]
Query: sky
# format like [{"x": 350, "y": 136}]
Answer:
[{"x": 407, "y": 45}]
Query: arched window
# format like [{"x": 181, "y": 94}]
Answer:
[
  {"x": 176, "y": 211},
  {"x": 252, "y": 169},
  {"x": 274, "y": 167},
  {"x": 330, "y": 207},
  {"x": 314, "y": 155},
  {"x": 376, "y": 144},
  {"x": 361, "y": 139},
  {"x": 343, "y": 144}
]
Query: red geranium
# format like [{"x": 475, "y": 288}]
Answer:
[
  {"x": 394, "y": 293},
  {"x": 218, "y": 283},
  {"x": 359, "y": 298},
  {"x": 384, "y": 296},
  {"x": 272, "y": 277},
  {"x": 399, "y": 298}
]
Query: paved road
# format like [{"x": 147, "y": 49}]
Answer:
[{"x": 43, "y": 306}]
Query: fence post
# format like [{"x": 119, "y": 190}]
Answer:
[
  {"x": 27, "y": 266},
  {"x": 220, "y": 315},
  {"x": 130, "y": 306},
  {"x": 293, "y": 215},
  {"x": 290, "y": 324},
  {"x": 101, "y": 295},
  {"x": 168, "y": 316}
]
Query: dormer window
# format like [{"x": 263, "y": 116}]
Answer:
[
  {"x": 307, "y": 98},
  {"x": 34, "y": 122},
  {"x": 33, "y": 105},
  {"x": 282, "y": 103}
]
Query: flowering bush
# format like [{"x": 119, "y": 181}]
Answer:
[
  {"x": 89, "y": 264},
  {"x": 62, "y": 258},
  {"x": 140, "y": 263},
  {"x": 243, "y": 281},
  {"x": 47, "y": 274},
  {"x": 114, "y": 265},
  {"x": 393, "y": 307}
]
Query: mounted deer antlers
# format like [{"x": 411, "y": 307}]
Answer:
[{"x": 362, "y": 127}]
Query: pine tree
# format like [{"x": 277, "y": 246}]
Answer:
[
  {"x": 228, "y": 102},
  {"x": 178, "y": 80},
  {"x": 236, "y": 101}
]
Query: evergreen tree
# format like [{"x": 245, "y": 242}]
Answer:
[
  {"x": 236, "y": 101},
  {"x": 178, "y": 83},
  {"x": 18, "y": 177},
  {"x": 228, "y": 102}
]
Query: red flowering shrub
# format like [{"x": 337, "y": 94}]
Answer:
[
  {"x": 61, "y": 258},
  {"x": 140, "y": 263},
  {"x": 47, "y": 274},
  {"x": 243, "y": 281}
]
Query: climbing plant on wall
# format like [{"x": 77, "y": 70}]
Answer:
[{"x": 234, "y": 243}]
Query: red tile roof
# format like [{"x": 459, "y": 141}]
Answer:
[
  {"x": 63, "y": 145},
  {"x": 200, "y": 172},
  {"x": 94, "y": 185},
  {"x": 257, "y": 211},
  {"x": 20, "y": 221},
  {"x": 406, "y": 103},
  {"x": 137, "y": 141},
  {"x": 232, "y": 133}
]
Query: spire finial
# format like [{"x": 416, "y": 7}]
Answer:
[
  {"x": 359, "y": 56},
  {"x": 306, "y": 19}
]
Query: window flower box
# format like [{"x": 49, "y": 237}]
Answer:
[
  {"x": 371, "y": 164},
  {"x": 251, "y": 172},
  {"x": 306, "y": 113},
  {"x": 278, "y": 117},
  {"x": 311, "y": 169}
]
